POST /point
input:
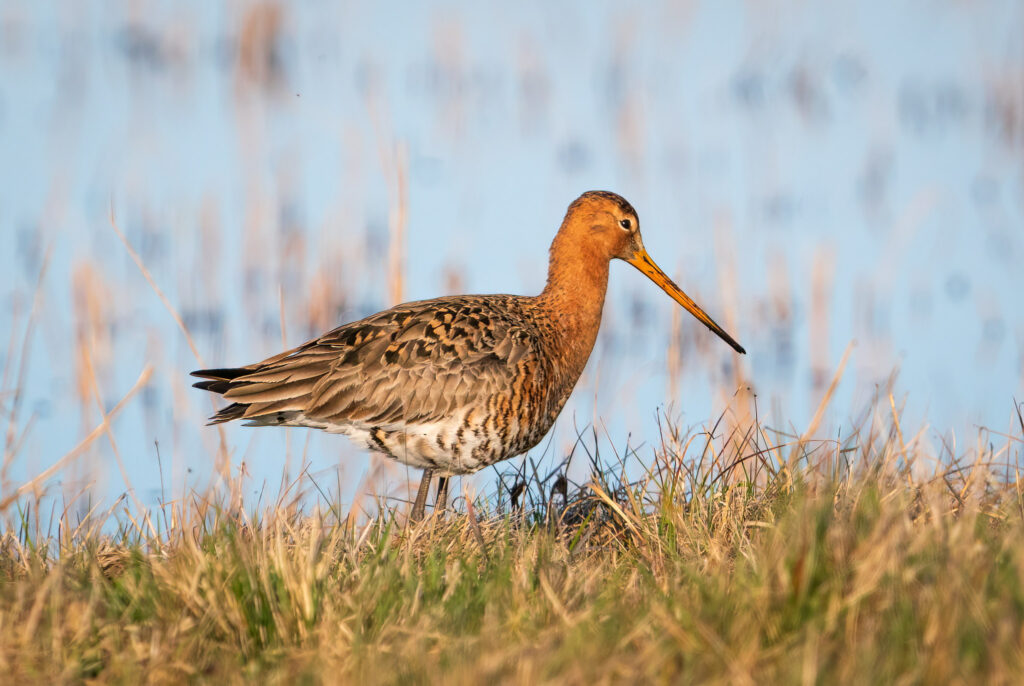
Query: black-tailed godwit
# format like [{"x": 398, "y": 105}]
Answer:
[{"x": 455, "y": 384}]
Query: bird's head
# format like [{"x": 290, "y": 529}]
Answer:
[{"x": 606, "y": 227}]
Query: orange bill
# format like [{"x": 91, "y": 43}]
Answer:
[{"x": 642, "y": 261}]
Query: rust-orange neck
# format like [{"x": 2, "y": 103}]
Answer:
[{"x": 574, "y": 298}]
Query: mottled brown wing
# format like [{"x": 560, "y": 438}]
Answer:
[{"x": 414, "y": 363}]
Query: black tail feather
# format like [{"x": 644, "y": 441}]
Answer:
[
  {"x": 225, "y": 374},
  {"x": 216, "y": 386},
  {"x": 220, "y": 381},
  {"x": 232, "y": 411}
]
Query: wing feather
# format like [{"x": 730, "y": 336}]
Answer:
[{"x": 418, "y": 362}]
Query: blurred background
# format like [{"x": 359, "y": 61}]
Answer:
[{"x": 813, "y": 176}]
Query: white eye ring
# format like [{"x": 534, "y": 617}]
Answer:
[{"x": 625, "y": 224}]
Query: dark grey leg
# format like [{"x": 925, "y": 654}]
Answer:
[
  {"x": 421, "y": 496},
  {"x": 442, "y": 494}
]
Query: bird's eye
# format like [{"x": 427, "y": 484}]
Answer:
[{"x": 625, "y": 223}]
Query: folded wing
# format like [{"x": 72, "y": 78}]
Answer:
[{"x": 414, "y": 363}]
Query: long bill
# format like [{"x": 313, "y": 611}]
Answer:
[{"x": 642, "y": 261}]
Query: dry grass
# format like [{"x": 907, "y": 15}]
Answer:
[{"x": 740, "y": 558}]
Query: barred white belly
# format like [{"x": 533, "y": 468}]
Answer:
[{"x": 450, "y": 447}]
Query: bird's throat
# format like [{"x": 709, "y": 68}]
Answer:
[{"x": 573, "y": 300}]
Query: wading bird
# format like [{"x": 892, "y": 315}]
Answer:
[{"x": 455, "y": 384}]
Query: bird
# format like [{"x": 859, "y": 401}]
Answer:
[{"x": 457, "y": 383}]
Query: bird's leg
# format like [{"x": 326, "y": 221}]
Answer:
[
  {"x": 421, "y": 496},
  {"x": 442, "y": 494}
]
